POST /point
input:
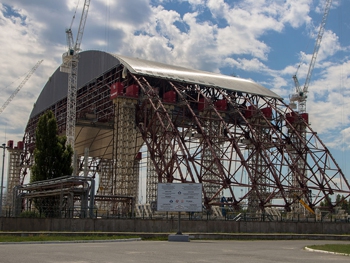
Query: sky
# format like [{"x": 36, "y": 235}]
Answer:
[{"x": 267, "y": 41}]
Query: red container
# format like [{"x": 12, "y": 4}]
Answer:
[
  {"x": 267, "y": 112},
  {"x": 138, "y": 156},
  {"x": 305, "y": 116},
  {"x": 249, "y": 112},
  {"x": 169, "y": 97},
  {"x": 20, "y": 145},
  {"x": 291, "y": 117},
  {"x": 221, "y": 105},
  {"x": 132, "y": 91},
  {"x": 10, "y": 144},
  {"x": 202, "y": 104},
  {"x": 117, "y": 89}
]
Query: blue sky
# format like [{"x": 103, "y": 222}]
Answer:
[{"x": 262, "y": 40}]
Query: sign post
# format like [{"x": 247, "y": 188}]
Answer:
[{"x": 179, "y": 197}]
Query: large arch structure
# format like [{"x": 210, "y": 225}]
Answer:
[{"x": 237, "y": 138}]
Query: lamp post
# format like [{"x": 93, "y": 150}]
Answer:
[{"x": 2, "y": 177}]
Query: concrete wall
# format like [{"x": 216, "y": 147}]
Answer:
[{"x": 168, "y": 226}]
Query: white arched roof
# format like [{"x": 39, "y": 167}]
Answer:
[{"x": 160, "y": 70}]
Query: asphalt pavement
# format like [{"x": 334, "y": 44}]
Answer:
[{"x": 164, "y": 251}]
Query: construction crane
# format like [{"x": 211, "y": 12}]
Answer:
[
  {"x": 70, "y": 60},
  {"x": 30, "y": 73},
  {"x": 300, "y": 95}
]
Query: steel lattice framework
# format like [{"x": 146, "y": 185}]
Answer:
[
  {"x": 255, "y": 143},
  {"x": 252, "y": 149}
]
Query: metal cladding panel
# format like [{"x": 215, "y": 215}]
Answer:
[
  {"x": 164, "y": 71},
  {"x": 91, "y": 65}
]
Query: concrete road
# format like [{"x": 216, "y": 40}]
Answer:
[{"x": 163, "y": 252}]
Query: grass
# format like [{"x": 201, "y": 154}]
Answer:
[
  {"x": 338, "y": 248},
  {"x": 43, "y": 237}
]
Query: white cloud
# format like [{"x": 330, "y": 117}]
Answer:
[
  {"x": 22, "y": 46},
  {"x": 211, "y": 35},
  {"x": 343, "y": 139},
  {"x": 329, "y": 98},
  {"x": 295, "y": 12},
  {"x": 196, "y": 2}
]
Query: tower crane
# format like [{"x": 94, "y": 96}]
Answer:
[
  {"x": 30, "y": 73},
  {"x": 298, "y": 101},
  {"x": 70, "y": 60},
  {"x": 300, "y": 94}
]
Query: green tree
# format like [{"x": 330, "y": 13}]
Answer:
[
  {"x": 326, "y": 202},
  {"x": 52, "y": 159},
  {"x": 343, "y": 203}
]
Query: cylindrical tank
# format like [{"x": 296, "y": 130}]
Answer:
[
  {"x": 10, "y": 144},
  {"x": 20, "y": 145}
]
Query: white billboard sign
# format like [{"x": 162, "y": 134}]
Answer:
[{"x": 179, "y": 197}]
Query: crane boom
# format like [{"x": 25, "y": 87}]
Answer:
[
  {"x": 82, "y": 25},
  {"x": 30, "y": 73},
  {"x": 317, "y": 44},
  {"x": 301, "y": 93},
  {"x": 70, "y": 43}
]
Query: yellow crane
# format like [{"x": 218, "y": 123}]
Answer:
[{"x": 302, "y": 202}]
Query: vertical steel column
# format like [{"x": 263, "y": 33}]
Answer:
[
  {"x": 126, "y": 149},
  {"x": 210, "y": 180},
  {"x": 13, "y": 174},
  {"x": 136, "y": 173},
  {"x": 2, "y": 177},
  {"x": 106, "y": 183},
  {"x": 258, "y": 165},
  {"x": 92, "y": 199},
  {"x": 298, "y": 159},
  {"x": 153, "y": 178},
  {"x": 152, "y": 181}
]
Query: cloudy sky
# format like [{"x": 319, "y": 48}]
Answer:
[{"x": 262, "y": 40}]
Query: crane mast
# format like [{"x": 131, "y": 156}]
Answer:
[
  {"x": 30, "y": 73},
  {"x": 300, "y": 94},
  {"x": 70, "y": 60}
]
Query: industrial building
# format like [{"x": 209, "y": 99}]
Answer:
[{"x": 172, "y": 124}]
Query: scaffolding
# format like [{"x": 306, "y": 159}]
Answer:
[
  {"x": 209, "y": 169},
  {"x": 13, "y": 171},
  {"x": 106, "y": 184},
  {"x": 127, "y": 144},
  {"x": 151, "y": 181},
  {"x": 258, "y": 119},
  {"x": 297, "y": 135}
]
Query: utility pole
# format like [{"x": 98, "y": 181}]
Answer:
[{"x": 2, "y": 177}]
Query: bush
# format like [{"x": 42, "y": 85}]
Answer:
[{"x": 30, "y": 214}]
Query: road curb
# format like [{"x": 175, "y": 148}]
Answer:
[
  {"x": 326, "y": 252},
  {"x": 73, "y": 241}
]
